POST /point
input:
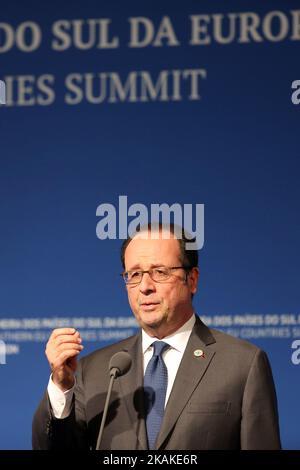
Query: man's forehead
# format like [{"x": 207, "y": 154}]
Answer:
[{"x": 158, "y": 249}]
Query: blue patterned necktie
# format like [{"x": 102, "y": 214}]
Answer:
[{"x": 155, "y": 388}]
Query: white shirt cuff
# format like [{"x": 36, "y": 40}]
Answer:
[{"x": 61, "y": 402}]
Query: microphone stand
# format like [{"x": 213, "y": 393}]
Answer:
[{"x": 113, "y": 374}]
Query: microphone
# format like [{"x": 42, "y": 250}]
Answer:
[{"x": 119, "y": 364}]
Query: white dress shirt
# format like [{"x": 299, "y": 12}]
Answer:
[
  {"x": 61, "y": 401},
  {"x": 173, "y": 355}
]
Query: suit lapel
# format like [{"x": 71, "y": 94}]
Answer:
[
  {"x": 188, "y": 376},
  {"x": 131, "y": 386}
]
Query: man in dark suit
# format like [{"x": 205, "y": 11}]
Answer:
[{"x": 217, "y": 392}]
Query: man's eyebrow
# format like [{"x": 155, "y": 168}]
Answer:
[{"x": 137, "y": 267}]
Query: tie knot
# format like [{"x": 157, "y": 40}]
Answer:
[{"x": 159, "y": 347}]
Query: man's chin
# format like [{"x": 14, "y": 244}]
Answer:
[{"x": 151, "y": 320}]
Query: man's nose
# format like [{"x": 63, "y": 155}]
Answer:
[{"x": 147, "y": 284}]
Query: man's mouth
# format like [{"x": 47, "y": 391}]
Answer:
[{"x": 148, "y": 305}]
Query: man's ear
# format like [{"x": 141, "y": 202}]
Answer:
[{"x": 192, "y": 279}]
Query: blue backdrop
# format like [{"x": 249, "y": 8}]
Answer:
[{"x": 164, "y": 102}]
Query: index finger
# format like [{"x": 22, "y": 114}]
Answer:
[{"x": 63, "y": 331}]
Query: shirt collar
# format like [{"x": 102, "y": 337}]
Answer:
[{"x": 177, "y": 340}]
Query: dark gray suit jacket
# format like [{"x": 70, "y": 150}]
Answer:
[{"x": 222, "y": 400}]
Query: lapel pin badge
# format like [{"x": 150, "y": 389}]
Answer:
[{"x": 199, "y": 353}]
